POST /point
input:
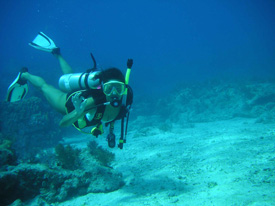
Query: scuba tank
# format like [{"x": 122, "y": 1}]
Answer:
[{"x": 80, "y": 81}]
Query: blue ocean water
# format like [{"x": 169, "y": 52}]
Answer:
[{"x": 170, "y": 41}]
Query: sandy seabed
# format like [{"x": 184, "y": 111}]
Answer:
[{"x": 229, "y": 162}]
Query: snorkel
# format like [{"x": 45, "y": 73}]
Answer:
[
  {"x": 128, "y": 72},
  {"x": 127, "y": 77}
]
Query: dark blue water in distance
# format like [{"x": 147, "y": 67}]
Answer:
[{"x": 171, "y": 41}]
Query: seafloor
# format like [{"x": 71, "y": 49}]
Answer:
[{"x": 209, "y": 143}]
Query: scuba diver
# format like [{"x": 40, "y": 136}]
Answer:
[{"x": 85, "y": 99}]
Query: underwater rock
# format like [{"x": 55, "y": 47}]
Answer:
[
  {"x": 52, "y": 182},
  {"x": 7, "y": 155},
  {"x": 26, "y": 181},
  {"x": 214, "y": 101},
  {"x": 17, "y": 203}
]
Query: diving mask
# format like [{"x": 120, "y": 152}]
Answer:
[{"x": 114, "y": 87}]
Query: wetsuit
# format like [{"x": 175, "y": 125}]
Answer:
[{"x": 99, "y": 98}]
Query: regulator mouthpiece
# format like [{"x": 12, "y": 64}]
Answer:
[{"x": 115, "y": 102}]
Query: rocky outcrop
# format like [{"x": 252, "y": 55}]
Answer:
[
  {"x": 25, "y": 181},
  {"x": 219, "y": 101}
]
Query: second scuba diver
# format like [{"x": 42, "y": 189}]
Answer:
[{"x": 88, "y": 99}]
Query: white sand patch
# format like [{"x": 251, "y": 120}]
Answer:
[{"x": 218, "y": 163}]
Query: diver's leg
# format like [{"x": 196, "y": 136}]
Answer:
[
  {"x": 65, "y": 67},
  {"x": 55, "y": 97}
]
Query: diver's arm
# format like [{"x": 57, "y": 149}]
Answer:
[
  {"x": 70, "y": 118},
  {"x": 81, "y": 108}
]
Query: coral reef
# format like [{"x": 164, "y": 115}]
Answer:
[
  {"x": 211, "y": 101},
  {"x": 67, "y": 157},
  {"x": 208, "y": 101},
  {"x": 30, "y": 167},
  {"x": 7, "y": 154},
  {"x": 26, "y": 181},
  {"x": 103, "y": 156},
  {"x": 53, "y": 183}
]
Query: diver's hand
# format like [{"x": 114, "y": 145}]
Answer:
[
  {"x": 98, "y": 130},
  {"x": 130, "y": 63},
  {"x": 79, "y": 103}
]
